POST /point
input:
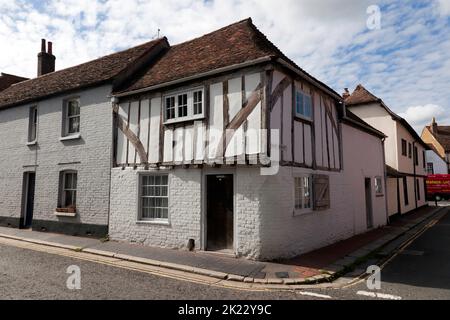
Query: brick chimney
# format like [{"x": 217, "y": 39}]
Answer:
[
  {"x": 346, "y": 94},
  {"x": 46, "y": 59},
  {"x": 434, "y": 126}
]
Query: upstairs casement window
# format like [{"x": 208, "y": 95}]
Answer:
[
  {"x": 416, "y": 156},
  {"x": 184, "y": 106},
  {"x": 303, "y": 105},
  {"x": 409, "y": 150},
  {"x": 71, "y": 115},
  {"x": 32, "y": 126},
  {"x": 424, "y": 156},
  {"x": 404, "y": 148},
  {"x": 198, "y": 102},
  {"x": 430, "y": 168}
]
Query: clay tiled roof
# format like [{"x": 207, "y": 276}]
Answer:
[
  {"x": 361, "y": 96},
  {"x": 442, "y": 136},
  {"x": 6, "y": 80},
  {"x": 102, "y": 70},
  {"x": 235, "y": 44}
]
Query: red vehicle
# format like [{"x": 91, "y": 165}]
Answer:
[{"x": 438, "y": 187}]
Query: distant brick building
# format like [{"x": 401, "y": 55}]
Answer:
[{"x": 438, "y": 137}]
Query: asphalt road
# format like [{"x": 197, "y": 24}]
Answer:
[{"x": 422, "y": 271}]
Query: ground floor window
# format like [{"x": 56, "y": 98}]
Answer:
[
  {"x": 68, "y": 195},
  {"x": 378, "y": 186},
  {"x": 302, "y": 193},
  {"x": 405, "y": 191},
  {"x": 153, "y": 197}
]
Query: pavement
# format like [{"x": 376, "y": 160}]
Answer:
[{"x": 325, "y": 265}]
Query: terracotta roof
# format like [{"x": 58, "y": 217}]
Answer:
[
  {"x": 102, "y": 70},
  {"x": 442, "y": 136},
  {"x": 6, "y": 80},
  {"x": 362, "y": 125},
  {"x": 361, "y": 96},
  {"x": 232, "y": 45}
]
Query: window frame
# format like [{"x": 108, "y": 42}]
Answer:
[
  {"x": 405, "y": 191},
  {"x": 430, "y": 165},
  {"x": 404, "y": 148},
  {"x": 305, "y": 95},
  {"x": 139, "y": 217},
  {"x": 33, "y": 121},
  {"x": 409, "y": 150},
  {"x": 377, "y": 192},
  {"x": 424, "y": 159},
  {"x": 66, "y": 117},
  {"x": 302, "y": 209},
  {"x": 190, "y": 105},
  {"x": 62, "y": 197},
  {"x": 416, "y": 156}
]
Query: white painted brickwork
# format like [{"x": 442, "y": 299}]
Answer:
[
  {"x": 90, "y": 156},
  {"x": 184, "y": 210}
]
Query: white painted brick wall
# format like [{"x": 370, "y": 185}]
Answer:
[
  {"x": 93, "y": 152},
  {"x": 184, "y": 210}
]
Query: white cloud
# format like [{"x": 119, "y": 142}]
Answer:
[
  {"x": 406, "y": 63},
  {"x": 444, "y": 7},
  {"x": 420, "y": 116}
]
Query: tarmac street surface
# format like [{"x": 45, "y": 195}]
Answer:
[{"x": 421, "y": 270}]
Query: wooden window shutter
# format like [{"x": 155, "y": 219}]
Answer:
[{"x": 321, "y": 188}]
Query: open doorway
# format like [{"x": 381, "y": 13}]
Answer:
[
  {"x": 29, "y": 181},
  {"x": 219, "y": 215},
  {"x": 369, "y": 209}
]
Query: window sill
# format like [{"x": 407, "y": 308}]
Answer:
[
  {"x": 66, "y": 214},
  {"x": 185, "y": 119},
  {"x": 299, "y": 213},
  {"x": 379, "y": 195},
  {"x": 32, "y": 143},
  {"x": 154, "y": 222},
  {"x": 71, "y": 137},
  {"x": 301, "y": 118}
]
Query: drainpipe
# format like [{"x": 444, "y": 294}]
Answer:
[{"x": 415, "y": 154}]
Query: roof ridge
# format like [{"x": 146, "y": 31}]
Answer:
[{"x": 212, "y": 32}]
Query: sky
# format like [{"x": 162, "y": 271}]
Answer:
[{"x": 399, "y": 50}]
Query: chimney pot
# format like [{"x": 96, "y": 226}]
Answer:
[
  {"x": 434, "y": 126},
  {"x": 50, "y": 47},
  {"x": 346, "y": 94},
  {"x": 43, "y": 46}
]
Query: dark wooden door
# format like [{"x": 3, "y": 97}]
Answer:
[
  {"x": 220, "y": 215},
  {"x": 29, "y": 188}
]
